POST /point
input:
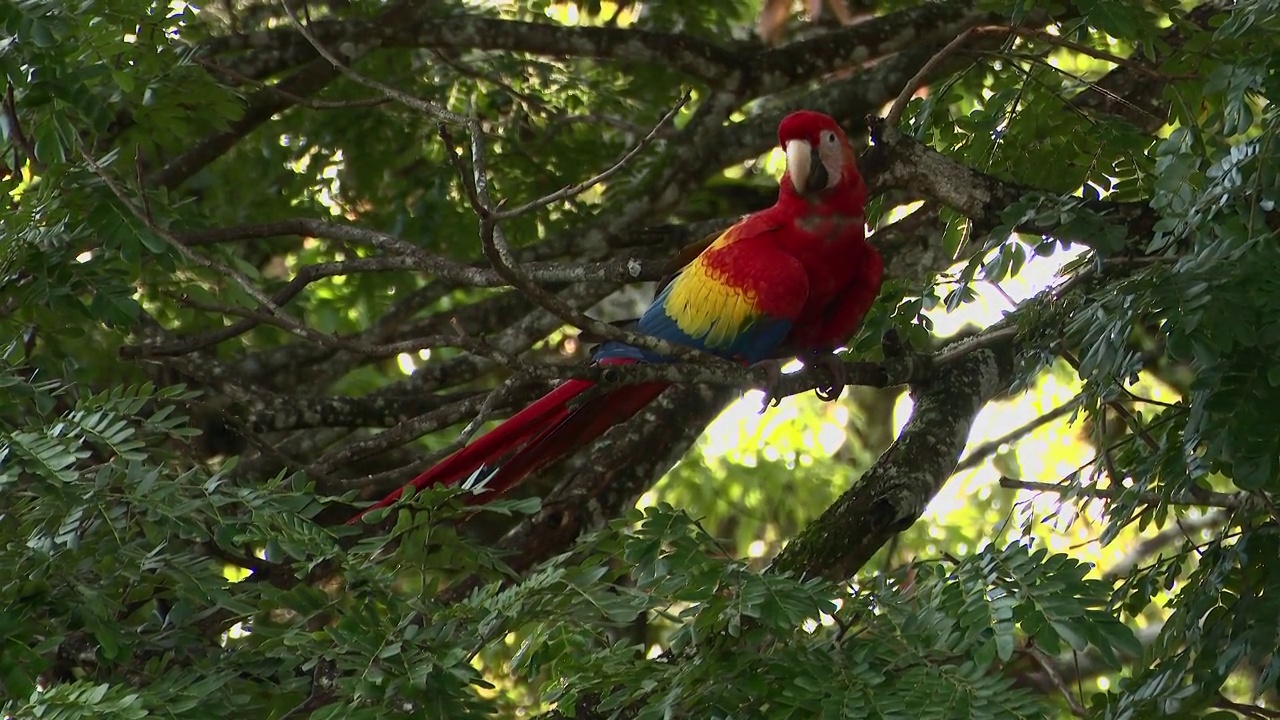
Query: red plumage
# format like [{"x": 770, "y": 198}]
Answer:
[
  {"x": 541, "y": 433},
  {"x": 794, "y": 279}
]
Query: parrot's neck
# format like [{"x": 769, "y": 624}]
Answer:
[{"x": 844, "y": 201}]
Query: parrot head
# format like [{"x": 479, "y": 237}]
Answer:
[{"x": 820, "y": 160}]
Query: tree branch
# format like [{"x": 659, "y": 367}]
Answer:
[
  {"x": 898, "y": 161},
  {"x": 980, "y": 453},
  {"x": 1129, "y": 93},
  {"x": 895, "y": 490},
  {"x": 279, "y": 413},
  {"x": 925, "y": 25},
  {"x": 576, "y": 189},
  {"x": 497, "y": 249},
  {"x": 1181, "y": 529},
  {"x": 260, "y": 108},
  {"x": 894, "y": 115},
  {"x": 1049, "y": 667},
  {"x": 15, "y": 129},
  {"x": 284, "y": 47},
  {"x": 1230, "y": 501}
]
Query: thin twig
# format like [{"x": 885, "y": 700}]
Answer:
[
  {"x": 530, "y": 101},
  {"x": 494, "y": 243},
  {"x": 19, "y": 137},
  {"x": 900, "y": 103},
  {"x": 625, "y": 269},
  {"x": 1138, "y": 67},
  {"x": 1015, "y": 59},
  {"x": 501, "y": 394},
  {"x": 1149, "y": 546},
  {"x": 480, "y": 346},
  {"x": 291, "y": 97},
  {"x": 908, "y": 91},
  {"x": 256, "y": 317},
  {"x": 1230, "y": 501},
  {"x": 1050, "y": 668},
  {"x": 985, "y": 450},
  {"x": 267, "y": 305},
  {"x": 491, "y": 402},
  {"x": 140, "y": 181},
  {"x": 402, "y": 433},
  {"x": 579, "y": 188},
  {"x": 1135, "y": 426},
  {"x": 252, "y": 319},
  {"x": 617, "y": 123},
  {"x": 435, "y": 110}
]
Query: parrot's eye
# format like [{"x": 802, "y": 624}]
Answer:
[{"x": 829, "y": 137}]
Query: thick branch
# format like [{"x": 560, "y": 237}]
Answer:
[
  {"x": 895, "y": 491},
  {"x": 898, "y": 161},
  {"x": 278, "y": 412},
  {"x": 285, "y": 47},
  {"x": 926, "y": 25},
  {"x": 261, "y": 107},
  {"x": 739, "y": 67}
]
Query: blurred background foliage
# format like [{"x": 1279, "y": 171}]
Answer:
[{"x": 176, "y": 461}]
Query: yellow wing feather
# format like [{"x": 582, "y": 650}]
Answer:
[
  {"x": 737, "y": 296},
  {"x": 704, "y": 306}
]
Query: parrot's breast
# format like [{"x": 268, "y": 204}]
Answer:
[{"x": 832, "y": 228}]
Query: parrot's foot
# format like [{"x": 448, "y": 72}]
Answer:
[
  {"x": 772, "y": 377},
  {"x": 839, "y": 376}
]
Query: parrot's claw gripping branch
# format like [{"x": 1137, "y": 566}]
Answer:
[
  {"x": 771, "y": 386},
  {"x": 838, "y": 371},
  {"x": 906, "y": 368}
]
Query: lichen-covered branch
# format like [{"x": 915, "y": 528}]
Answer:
[
  {"x": 898, "y": 161},
  {"x": 737, "y": 67},
  {"x": 926, "y": 25},
  {"x": 894, "y": 492},
  {"x": 282, "y": 47}
]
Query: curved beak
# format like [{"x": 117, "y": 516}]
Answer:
[{"x": 807, "y": 172}]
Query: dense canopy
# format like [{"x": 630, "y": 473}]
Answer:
[{"x": 262, "y": 261}]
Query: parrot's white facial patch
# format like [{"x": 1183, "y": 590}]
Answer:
[{"x": 832, "y": 155}]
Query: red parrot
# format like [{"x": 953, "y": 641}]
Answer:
[{"x": 794, "y": 279}]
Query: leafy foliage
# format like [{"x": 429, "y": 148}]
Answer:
[{"x": 242, "y": 290}]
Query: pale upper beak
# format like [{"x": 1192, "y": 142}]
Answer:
[{"x": 808, "y": 174}]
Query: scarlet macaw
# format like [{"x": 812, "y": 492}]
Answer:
[{"x": 794, "y": 279}]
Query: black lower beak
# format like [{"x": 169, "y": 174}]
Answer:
[{"x": 817, "y": 180}]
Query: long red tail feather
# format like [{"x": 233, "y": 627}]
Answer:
[
  {"x": 576, "y": 429},
  {"x": 545, "y": 431}
]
